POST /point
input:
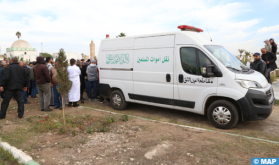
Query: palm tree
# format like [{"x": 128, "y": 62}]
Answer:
[
  {"x": 18, "y": 34},
  {"x": 122, "y": 35},
  {"x": 241, "y": 51},
  {"x": 247, "y": 55}
]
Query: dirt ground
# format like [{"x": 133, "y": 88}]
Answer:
[
  {"x": 138, "y": 141},
  {"x": 266, "y": 129}
]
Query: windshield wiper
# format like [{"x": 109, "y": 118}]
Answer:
[
  {"x": 233, "y": 68},
  {"x": 245, "y": 69}
]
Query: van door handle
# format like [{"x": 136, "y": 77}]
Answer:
[
  {"x": 168, "y": 77},
  {"x": 180, "y": 78}
]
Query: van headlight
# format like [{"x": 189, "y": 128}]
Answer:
[{"x": 248, "y": 84}]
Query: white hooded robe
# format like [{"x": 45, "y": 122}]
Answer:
[{"x": 74, "y": 93}]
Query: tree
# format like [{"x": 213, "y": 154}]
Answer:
[
  {"x": 21, "y": 59},
  {"x": 122, "y": 35},
  {"x": 241, "y": 51},
  {"x": 45, "y": 55},
  {"x": 63, "y": 78},
  {"x": 18, "y": 34}
]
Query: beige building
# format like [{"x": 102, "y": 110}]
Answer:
[
  {"x": 85, "y": 57},
  {"x": 92, "y": 49}
]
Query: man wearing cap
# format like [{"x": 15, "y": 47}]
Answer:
[
  {"x": 267, "y": 45},
  {"x": 269, "y": 59},
  {"x": 259, "y": 65},
  {"x": 273, "y": 46}
]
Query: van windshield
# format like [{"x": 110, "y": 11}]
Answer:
[{"x": 226, "y": 58}]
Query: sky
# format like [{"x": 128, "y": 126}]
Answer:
[{"x": 72, "y": 24}]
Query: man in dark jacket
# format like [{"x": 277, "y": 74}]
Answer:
[
  {"x": 27, "y": 70},
  {"x": 12, "y": 83},
  {"x": 269, "y": 59},
  {"x": 2, "y": 69},
  {"x": 273, "y": 46},
  {"x": 82, "y": 82},
  {"x": 42, "y": 78},
  {"x": 259, "y": 65}
]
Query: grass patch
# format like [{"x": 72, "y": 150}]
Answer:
[
  {"x": 17, "y": 137},
  {"x": 6, "y": 158},
  {"x": 74, "y": 124}
]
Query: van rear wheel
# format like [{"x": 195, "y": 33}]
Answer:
[
  {"x": 118, "y": 101},
  {"x": 223, "y": 114}
]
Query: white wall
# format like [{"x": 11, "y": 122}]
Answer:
[
  {"x": 69, "y": 55},
  {"x": 29, "y": 55}
]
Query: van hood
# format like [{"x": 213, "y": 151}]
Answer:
[{"x": 256, "y": 76}]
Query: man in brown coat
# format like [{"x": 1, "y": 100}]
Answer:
[{"x": 42, "y": 78}]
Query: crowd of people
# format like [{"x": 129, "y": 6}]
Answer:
[
  {"x": 19, "y": 80},
  {"x": 266, "y": 62}
]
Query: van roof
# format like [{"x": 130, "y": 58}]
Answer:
[{"x": 201, "y": 37}]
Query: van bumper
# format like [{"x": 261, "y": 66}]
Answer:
[{"x": 256, "y": 105}]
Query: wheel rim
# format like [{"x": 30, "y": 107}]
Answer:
[
  {"x": 221, "y": 115},
  {"x": 116, "y": 100}
]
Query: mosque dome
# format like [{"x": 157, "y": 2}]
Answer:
[{"x": 21, "y": 44}]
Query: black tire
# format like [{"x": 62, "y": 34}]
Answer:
[
  {"x": 219, "y": 107},
  {"x": 117, "y": 100}
]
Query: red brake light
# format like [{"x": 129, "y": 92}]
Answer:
[{"x": 187, "y": 27}]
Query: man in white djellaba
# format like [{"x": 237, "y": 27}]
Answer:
[{"x": 74, "y": 93}]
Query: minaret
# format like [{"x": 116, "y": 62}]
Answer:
[{"x": 92, "y": 49}]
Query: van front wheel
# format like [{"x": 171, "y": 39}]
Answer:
[
  {"x": 223, "y": 114},
  {"x": 117, "y": 100}
]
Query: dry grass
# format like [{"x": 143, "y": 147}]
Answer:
[{"x": 75, "y": 124}]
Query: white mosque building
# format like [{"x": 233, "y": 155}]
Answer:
[{"x": 22, "y": 49}]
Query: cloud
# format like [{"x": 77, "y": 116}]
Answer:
[
  {"x": 274, "y": 35},
  {"x": 73, "y": 24},
  {"x": 269, "y": 29}
]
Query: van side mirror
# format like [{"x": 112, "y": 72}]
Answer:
[{"x": 207, "y": 70}]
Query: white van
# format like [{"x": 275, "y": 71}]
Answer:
[{"x": 183, "y": 70}]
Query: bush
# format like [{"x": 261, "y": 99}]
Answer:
[{"x": 125, "y": 118}]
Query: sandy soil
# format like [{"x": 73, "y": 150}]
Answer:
[{"x": 138, "y": 141}]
